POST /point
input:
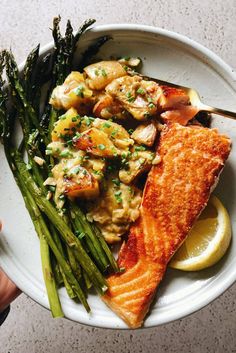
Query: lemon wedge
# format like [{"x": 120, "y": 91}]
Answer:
[{"x": 207, "y": 241}]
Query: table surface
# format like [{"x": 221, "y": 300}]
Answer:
[{"x": 29, "y": 327}]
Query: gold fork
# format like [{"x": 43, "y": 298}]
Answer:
[{"x": 194, "y": 98}]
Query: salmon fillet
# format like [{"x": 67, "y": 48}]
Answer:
[{"x": 176, "y": 192}]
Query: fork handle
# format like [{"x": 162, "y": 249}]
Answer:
[{"x": 227, "y": 113}]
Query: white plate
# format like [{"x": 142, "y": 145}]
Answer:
[{"x": 168, "y": 56}]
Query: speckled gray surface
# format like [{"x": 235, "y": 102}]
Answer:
[{"x": 29, "y": 327}]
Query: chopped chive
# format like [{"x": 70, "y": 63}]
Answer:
[
  {"x": 79, "y": 91},
  {"x": 76, "y": 170},
  {"x": 65, "y": 154},
  {"x": 114, "y": 133},
  {"x": 48, "y": 151},
  {"x": 130, "y": 98},
  {"x": 104, "y": 74},
  {"x": 106, "y": 125},
  {"x": 101, "y": 146},
  {"x": 151, "y": 105},
  {"x": 130, "y": 131},
  {"x": 140, "y": 148},
  {"x": 117, "y": 195},
  {"x": 88, "y": 120},
  {"x": 97, "y": 172},
  {"x": 116, "y": 182},
  {"x": 141, "y": 91}
]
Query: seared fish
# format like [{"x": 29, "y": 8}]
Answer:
[{"x": 176, "y": 191}]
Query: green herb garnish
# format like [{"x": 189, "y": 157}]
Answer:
[
  {"x": 118, "y": 196},
  {"x": 101, "y": 146},
  {"x": 140, "y": 148},
  {"x": 116, "y": 181},
  {"x": 106, "y": 125},
  {"x": 65, "y": 154},
  {"x": 130, "y": 98},
  {"x": 130, "y": 131},
  {"x": 141, "y": 91},
  {"x": 79, "y": 91},
  {"x": 104, "y": 74},
  {"x": 151, "y": 105}
]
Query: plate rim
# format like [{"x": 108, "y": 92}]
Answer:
[{"x": 35, "y": 292}]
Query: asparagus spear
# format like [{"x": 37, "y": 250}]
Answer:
[
  {"x": 42, "y": 76},
  {"x": 29, "y": 72},
  {"x": 106, "y": 249},
  {"x": 91, "y": 52},
  {"x": 57, "y": 272},
  {"x": 13, "y": 77},
  {"x": 2, "y": 96},
  {"x": 57, "y": 241},
  {"x": 96, "y": 237},
  {"x": 49, "y": 279},
  {"x": 81, "y": 223},
  {"x": 35, "y": 74},
  {"x": 50, "y": 283}
]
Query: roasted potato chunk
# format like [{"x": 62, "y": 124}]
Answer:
[
  {"x": 70, "y": 123},
  {"x": 96, "y": 166},
  {"x": 74, "y": 92},
  {"x": 80, "y": 183},
  {"x": 102, "y": 73},
  {"x": 65, "y": 125},
  {"x": 97, "y": 143},
  {"x": 117, "y": 134},
  {"x": 73, "y": 180}
]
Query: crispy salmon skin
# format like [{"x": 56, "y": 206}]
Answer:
[{"x": 176, "y": 191}]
